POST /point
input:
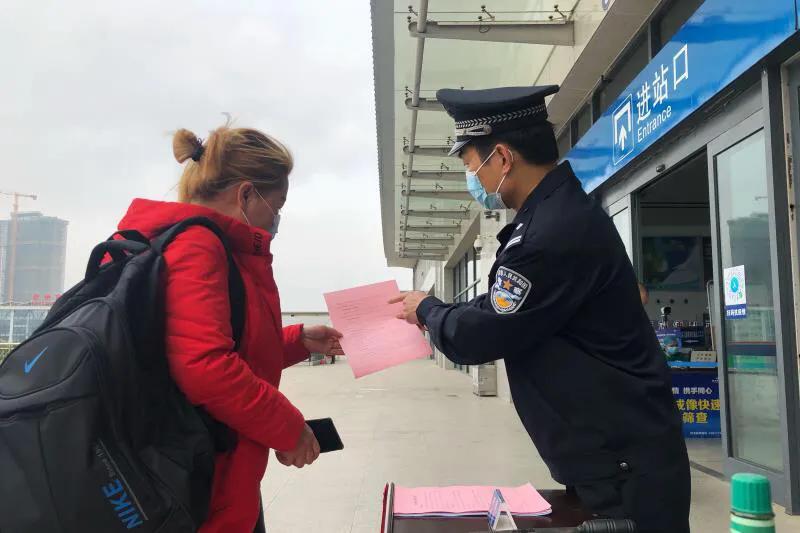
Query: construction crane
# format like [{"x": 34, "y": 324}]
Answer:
[{"x": 12, "y": 241}]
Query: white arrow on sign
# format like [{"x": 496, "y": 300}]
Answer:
[{"x": 622, "y": 124}]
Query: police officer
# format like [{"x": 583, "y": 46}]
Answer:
[{"x": 587, "y": 376}]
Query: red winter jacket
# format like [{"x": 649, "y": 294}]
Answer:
[{"x": 237, "y": 388}]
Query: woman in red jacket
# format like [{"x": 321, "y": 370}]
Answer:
[{"x": 238, "y": 179}]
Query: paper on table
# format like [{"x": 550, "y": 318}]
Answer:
[
  {"x": 466, "y": 501},
  {"x": 374, "y": 338}
]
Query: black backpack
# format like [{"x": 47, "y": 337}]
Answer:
[{"x": 94, "y": 434}]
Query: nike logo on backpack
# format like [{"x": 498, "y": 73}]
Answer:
[{"x": 29, "y": 364}]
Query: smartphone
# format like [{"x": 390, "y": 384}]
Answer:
[{"x": 326, "y": 434}]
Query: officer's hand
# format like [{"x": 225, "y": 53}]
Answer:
[{"x": 411, "y": 301}]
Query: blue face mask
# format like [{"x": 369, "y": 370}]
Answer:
[
  {"x": 476, "y": 189},
  {"x": 276, "y": 220},
  {"x": 276, "y": 217}
]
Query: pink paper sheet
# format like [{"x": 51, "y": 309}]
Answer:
[
  {"x": 374, "y": 338},
  {"x": 469, "y": 500}
]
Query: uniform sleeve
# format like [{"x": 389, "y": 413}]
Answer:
[
  {"x": 531, "y": 298},
  {"x": 293, "y": 350},
  {"x": 200, "y": 352}
]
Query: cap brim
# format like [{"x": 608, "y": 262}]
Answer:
[{"x": 458, "y": 146}]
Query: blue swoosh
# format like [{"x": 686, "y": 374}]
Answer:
[{"x": 29, "y": 364}]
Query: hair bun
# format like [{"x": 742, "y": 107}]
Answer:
[{"x": 186, "y": 145}]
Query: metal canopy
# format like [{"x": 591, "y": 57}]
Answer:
[
  {"x": 433, "y": 151},
  {"x": 432, "y": 240},
  {"x": 558, "y": 33},
  {"x": 424, "y": 104},
  {"x": 459, "y": 49},
  {"x": 459, "y": 214},
  {"x": 448, "y": 175},
  {"x": 447, "y": 228},
  {"x": 441, "y": 194},
  {"x": 432, "y": 257},
  {"x": 422, "y": 249}
]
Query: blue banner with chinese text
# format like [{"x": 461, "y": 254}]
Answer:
[
  {"x": 697, "y": 397},
  {"x": 717, "y": 44}
]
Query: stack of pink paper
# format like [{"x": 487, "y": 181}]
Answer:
[{"x": 466, "y": 501}]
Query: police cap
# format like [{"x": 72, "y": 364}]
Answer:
[{"x": 487, "y": 111}]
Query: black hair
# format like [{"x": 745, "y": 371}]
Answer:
[{"x": 536, "y": 144}]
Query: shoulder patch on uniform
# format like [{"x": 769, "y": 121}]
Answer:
[{"x": 509, "y": 291}]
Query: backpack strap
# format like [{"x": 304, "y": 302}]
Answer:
[
  {"x": 223, "y": 437},
  {"x": 235, "y": 282},
  {"x": 118, "y": 250},
  {"x": 130, "y": 235}
]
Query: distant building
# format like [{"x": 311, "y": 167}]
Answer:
[
  {"x": 3, "y": 250},
  {"x": 18, "y": 322},
  {"x": 39, "y": 257}
]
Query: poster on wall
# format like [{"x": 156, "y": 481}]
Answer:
[
  {"x": 673, "y": 263},
  {"x": 697, "y": 397},
  {"x": 735, "y": 293}
]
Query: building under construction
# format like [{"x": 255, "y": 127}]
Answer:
[{"x": 32, "y": 258}]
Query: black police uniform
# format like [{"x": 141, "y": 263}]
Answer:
[{"x": 587, "y": 376}]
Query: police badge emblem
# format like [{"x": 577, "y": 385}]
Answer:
[{"x": 509, "y": 291}]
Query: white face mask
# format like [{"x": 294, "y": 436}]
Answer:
[{"x": 276, "y": 220}]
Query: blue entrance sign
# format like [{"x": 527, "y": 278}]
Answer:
[{"x": 717, "y": 44}]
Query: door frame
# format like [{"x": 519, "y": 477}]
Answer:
[
  {"x": 784, "y": 491},
  {"x": 629, "y": 202},
  {"x": 786, "y": 95}
]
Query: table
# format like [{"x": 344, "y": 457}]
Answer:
[{"x": 567, "y": 512}]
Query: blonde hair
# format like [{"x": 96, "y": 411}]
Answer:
[{"x": 229, "y": 156}]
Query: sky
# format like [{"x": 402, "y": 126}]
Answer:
[{"x": 92, "y": 92}]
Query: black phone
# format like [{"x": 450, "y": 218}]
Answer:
[{"x": 326, "y": 434}]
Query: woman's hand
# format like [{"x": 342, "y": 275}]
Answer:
[
  {"x": 304, "y": 453},
  {"x": 319, "y": 339}
]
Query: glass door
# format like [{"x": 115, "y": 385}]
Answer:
[{"x": 746, "y": 291}]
